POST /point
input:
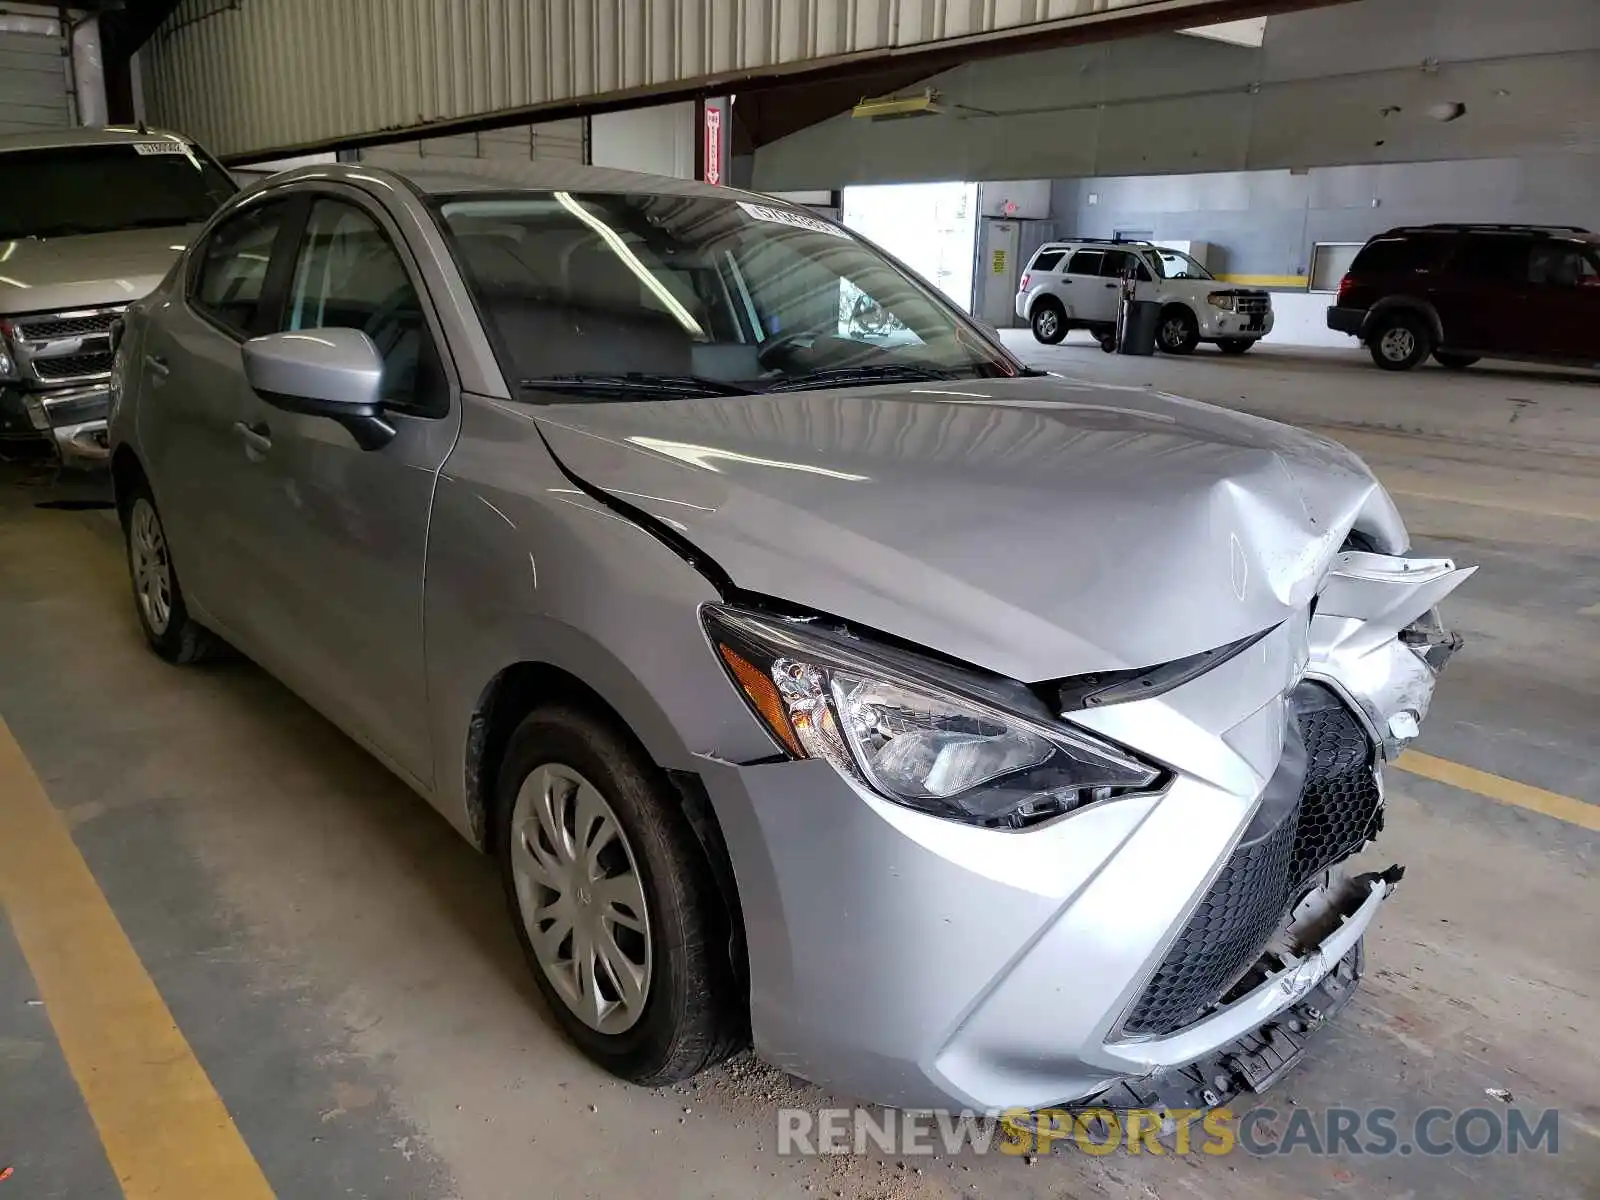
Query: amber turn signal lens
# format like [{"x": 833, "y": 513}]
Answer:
[{"x": 763, "y": 695}]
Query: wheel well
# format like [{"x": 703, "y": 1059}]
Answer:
[
  {"x": 1420, "y": 309},
  {"x": 1178, "y": 306},
  {"x": 1046, "y": 300},
  {"x": 518, "y": 690},
  {"x": 126, "y": 474}
]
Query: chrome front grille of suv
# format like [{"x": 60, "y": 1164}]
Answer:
[
  {"x": 1256, "y": 305},
  {"x": 65, "y": 347}
]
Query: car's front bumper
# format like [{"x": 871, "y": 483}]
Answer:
[
  {"x": 71, "y": 420},
  {"x": 1216, "y": 323},
  {"x": 912, "y": 961}
]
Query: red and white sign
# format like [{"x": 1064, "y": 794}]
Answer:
[{"x": 713, "y": 145}]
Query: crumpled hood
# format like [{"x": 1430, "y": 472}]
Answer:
[
  {"x": 1037, "y": 527},
  {"x": 89, "y": 271}
]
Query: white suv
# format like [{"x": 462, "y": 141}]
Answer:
[{"x": 1077, "y": 285}]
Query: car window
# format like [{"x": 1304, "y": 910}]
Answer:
[
  {"x": 233, "y": 267},
  {"x": 1085, "y": 262},
  {"x": 1116, "y": 262},
  {"x": 348, "y": 275},
  {"x": 1399, "y": 254},
  {"x": 1561, "y": 264},
  {"x": 1047, "y": 260},
  {"x": 1495, "y": 259}
]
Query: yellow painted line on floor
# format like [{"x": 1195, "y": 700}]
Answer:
[
  {"x": 1506, "y": 791},
  {"x": 166, "y": 1132}
]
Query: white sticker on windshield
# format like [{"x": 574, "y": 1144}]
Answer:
[
  {"x": 161, "y": 148},
  {"x": 784, "y": 216}
]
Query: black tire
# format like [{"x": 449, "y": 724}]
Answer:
[
  {"x": 1455, "y": 362},
  {"x": 1049, "y": 321},
  {"x": 1179, "y": 332},
  {"x": 1235, "y": 346},
  {"x": 694, "y": 1010},
  {"x": 1399, "y": 340},
  {"x": 1108, "y": 342},
  {"x": 178, "y": 638}
]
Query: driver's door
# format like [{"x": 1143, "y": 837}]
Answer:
[{"x": 345, "y": 550}]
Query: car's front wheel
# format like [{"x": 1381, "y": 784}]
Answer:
[
  {"x": 157, "y": 595},
  {"x": 1235, "y": 345},
  {"x": 1400, "y": 341},
  {"x": 1179, "y": 332},
  {"x": 1049, "y": 322},
  {"x": 614, "y": 901}
]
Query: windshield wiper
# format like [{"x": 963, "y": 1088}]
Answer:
[
  {"x": 637, "y": 382},
  {"x": 869, "y": 373}
]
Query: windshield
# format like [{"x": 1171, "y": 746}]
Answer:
[
  {"x": 602, "y": 293},
  {"x": 1175, "y": 264},
  {"x": 69, "y": 190}
]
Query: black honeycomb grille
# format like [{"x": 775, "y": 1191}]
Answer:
[
  {"x": 1339, "y": 808},
  {"x": 1223, "y": 936}
]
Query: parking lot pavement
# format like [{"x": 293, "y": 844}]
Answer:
[{"x": 338, "y": 962}]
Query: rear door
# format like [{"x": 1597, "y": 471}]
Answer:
[
  {"x": 1087, "y": 291},
  {"x": 1564, "y": 299},
  {"x": 194, "y": 401}
]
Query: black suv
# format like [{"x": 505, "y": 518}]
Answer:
[{"x": 1465, "y": 292}]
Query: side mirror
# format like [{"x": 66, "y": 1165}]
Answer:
[{"x": 334, "y": 373}]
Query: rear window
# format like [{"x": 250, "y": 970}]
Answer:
[
  {"x": 1047, "y": 260},
  {"x": 68, "y": 190},
  {"x": 1390, "y": 256}
]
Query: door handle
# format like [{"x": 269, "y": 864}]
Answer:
[
  {"x": 157, "y": 365},
  {"x": 257, "y": 439},
  {"x": 1111, "y": 285}
]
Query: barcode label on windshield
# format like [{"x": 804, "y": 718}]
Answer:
[
  {"x": 160, "y": 148},
  {"x": 783, "y": 216}
]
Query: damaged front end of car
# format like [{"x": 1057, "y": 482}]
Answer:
[{"x": 1274, "y": 947}]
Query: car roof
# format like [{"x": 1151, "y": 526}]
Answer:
[
  {"x": 106, "y": 135},
  {"x": 491, "y": 175}
]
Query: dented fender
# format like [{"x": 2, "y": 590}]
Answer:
[{"x": 1377, "y": 637}]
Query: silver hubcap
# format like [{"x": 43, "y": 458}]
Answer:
[
  {"x": 1048, "y": 322},
  {"x": 152, "y": 571},
  {"x": 1398, "y": 344},
  {"x": 581, "y": 898},
  {"x": 1173, "y": 332}
]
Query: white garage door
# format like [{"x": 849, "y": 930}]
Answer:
[{"x": 33, "y": 80}]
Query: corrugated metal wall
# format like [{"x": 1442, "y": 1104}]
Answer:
[
  {"x": 558, "y": 140},
  {"x": 253, "y": 75}
]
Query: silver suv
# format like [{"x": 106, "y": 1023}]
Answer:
[
  {"x": 1078, "y": 285},
  {"x": 963, "y": 735},
  {"x": 90, "y": 219}
]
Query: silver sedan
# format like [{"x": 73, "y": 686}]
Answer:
[{"x": 959, "y": 734}]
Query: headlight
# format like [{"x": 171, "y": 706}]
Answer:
[
  {"x": 1226, "y": 301},
  {"x": 8, "y": 361},
  {"x": 986, "y": 752}
]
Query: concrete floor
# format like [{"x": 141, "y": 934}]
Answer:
[{"x": 342, "y": 968}]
